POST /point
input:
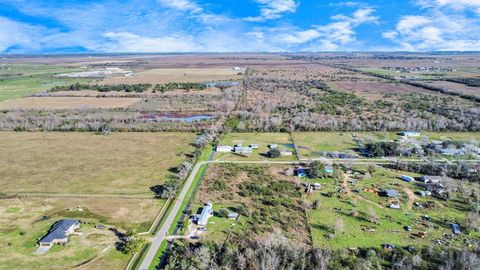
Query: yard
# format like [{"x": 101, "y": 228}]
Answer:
[
  {"x": 24, "y": 221},
  {"x": 283, "y": 140},
  {"x": 79, "y": 163}
]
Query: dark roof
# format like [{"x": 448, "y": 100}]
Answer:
[{"x": 59, "y": 230}]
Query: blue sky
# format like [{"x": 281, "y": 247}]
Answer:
[{"x": 48, "y": 26}]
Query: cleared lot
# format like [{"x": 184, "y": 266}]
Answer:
[
  {"x": 163, "y": 75},
  {"x": 121, "y": 163}
]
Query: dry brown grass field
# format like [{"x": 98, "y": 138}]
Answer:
[
  {"x": 120, "y": 163},
  {"x": 66, "y": 103}
]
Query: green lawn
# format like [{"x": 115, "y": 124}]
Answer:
[{"x": 314, "y": 144}]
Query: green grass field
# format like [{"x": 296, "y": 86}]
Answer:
[
  {"x": 120, "y": 163},
  {"x": 391, "y": 222},
  {"x": 313, "y": 144},
  {"x": 22, "y": 80},
  {"x": 283, "y": 141}
]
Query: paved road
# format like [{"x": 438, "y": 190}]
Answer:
[{"x": 162, "y": 233}]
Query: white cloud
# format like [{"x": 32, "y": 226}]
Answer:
[
  {"x": 455, "y": 4},
  {"x": 438, "y": 29},
  {"x": 273, "y": 9},
  {"x": 185, "y": 5},
  {"x": 340, "y": 34},
  {"x": 129, "y": 42}
]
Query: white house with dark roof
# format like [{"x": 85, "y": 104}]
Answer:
[{"x": 58, "y": 233}]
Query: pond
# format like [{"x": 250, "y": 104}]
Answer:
[{"x": 176, "y": 117}]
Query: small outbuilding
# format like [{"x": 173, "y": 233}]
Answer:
[
  {"x": 455, "y": 228},
  {"x": 391, "y": 193},
  {"x": 233, "y": 215},
  {"x": 406, "y": 178},
  {"x": 430, "y": 179},
  {"x": 300, "y": 172}
]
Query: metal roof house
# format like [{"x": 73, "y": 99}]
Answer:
[
  {"x": 390, "y": 193},
  {"x": 206, "y": 213},
  {"x": 59, "y": 232},
  {"x": 224, "y": 148}
]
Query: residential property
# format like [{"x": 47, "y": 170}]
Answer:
[
  {"x": 407, "y": 178},
  {"x": 410, "y": 134},
  {"x": 430, "y": 179},
  {"x": 272, "y": 146},
  {"x": 254, "y": 146},
  {"x": 206, "y": 213},
  {"x": 59, "y": 233},
  {"x": 224, "y": 148}
]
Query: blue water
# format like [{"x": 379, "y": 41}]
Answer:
[
  {"x": 222, "y": 84},
  {"x": 189, "y": 119}
]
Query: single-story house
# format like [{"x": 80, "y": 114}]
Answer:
[
  {"x": 242, "y": 150},
  {"x": 391, "y": 193},
  {"x": 59, "y": 232},
  {"x": 409, "y": 133},
  {"x": 422, "y": 193},
  {"x": 301, "y": 172},
  {"x": 430, "y": 179},
  {"x": 206, "y": 213},
  {"x": 254, "y": 146},
  {"x": 406, "y": 178},
  {"x": 224, "y": 148},
  {"x": 456, "y": 228}
]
